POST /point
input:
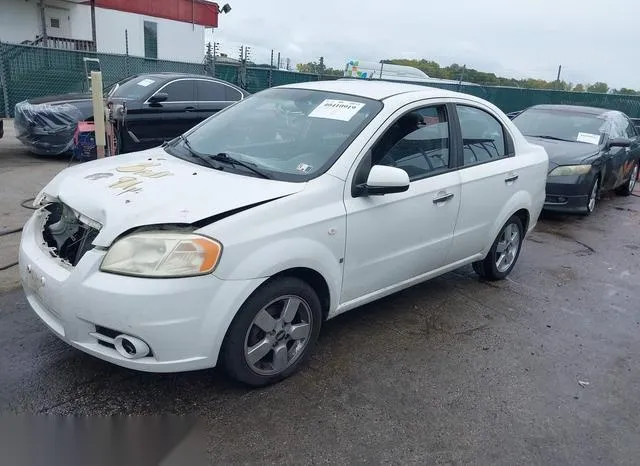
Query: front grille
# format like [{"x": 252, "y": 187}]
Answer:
[{"x": 67, "y": 237}]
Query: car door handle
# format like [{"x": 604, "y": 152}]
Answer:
[
  {"x": 189, "y": 109},
  {"x": 511, "y": 179},
  {"x": 442, "y": 197}
]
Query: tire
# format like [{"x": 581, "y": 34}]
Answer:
[
  {"x": 263, "y": 328},
  {"x": 488, "y": 267},
  {"x": 627, "y": 188}
]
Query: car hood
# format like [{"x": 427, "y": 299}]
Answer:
[
  {"x": 154, "y": 188},
  {"x": 565, "y": 152}
]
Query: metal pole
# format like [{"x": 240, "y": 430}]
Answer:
[
  {"x": 98, "y": 112},
  {"x": 126, "y": 51},
  {"x": 271, "y": 70},
  {"x": 43, "y": 24},
  {"x": 464, "y": 67},
  {"x": 4, "y": 85},
  {"x": 278, "y": 60},
  {"x": 558, "y": 78}
]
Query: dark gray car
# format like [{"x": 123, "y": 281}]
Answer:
[
  {"x": 160, "y": 107},
  {"x": 590, "y": 150}
]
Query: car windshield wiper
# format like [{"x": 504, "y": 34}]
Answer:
[
  {"x": 544, "y": 136},
  {"x": 226, "y": 158},
  {"x": 206, "y": 158}
]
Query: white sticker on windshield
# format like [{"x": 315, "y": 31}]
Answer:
[
  {"x": 336, "y": 110},
  {"x": 146, "y": 82},
  {"x": 304, "y": 168},
  {"x": 588, "y": 138}
]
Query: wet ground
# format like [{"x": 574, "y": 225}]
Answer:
[{"x": 542, "y": 368}]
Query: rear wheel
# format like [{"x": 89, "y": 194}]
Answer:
[
  {"x": 627, "y": 188},
  {"x": 274, "y": 332},
  {"x": 504, "y": 252}
]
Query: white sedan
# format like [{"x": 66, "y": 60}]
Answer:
[{"x": 233, "y": 243}]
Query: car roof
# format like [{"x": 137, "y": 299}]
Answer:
[
  {"x": 575, "y": 109},
  {"x": 375, "y": 89},
  {"x": 169, "y": 75}
]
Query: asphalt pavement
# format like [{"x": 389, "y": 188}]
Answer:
[{"x": 542, "y": 368}]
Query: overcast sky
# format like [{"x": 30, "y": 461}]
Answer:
[{"x": 592, "y": 39}]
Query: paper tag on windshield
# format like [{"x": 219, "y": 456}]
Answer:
[
  {"x": 588, "y": 138},
  {"x": 146, "y": 82},
  {"x": 343, "y": 110},
  {"x": 304, "y": 168}
]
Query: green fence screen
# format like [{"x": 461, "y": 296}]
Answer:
[{"x": 27, "y": 72}]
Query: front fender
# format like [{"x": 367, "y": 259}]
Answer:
[{"x": 288, "y": 254}]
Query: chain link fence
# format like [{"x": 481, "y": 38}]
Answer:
[{"x": 27, "y": 72}]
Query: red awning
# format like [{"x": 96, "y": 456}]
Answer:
[{"x": 188, "y": 11}]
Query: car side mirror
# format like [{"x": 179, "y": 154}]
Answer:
[
  {"x": 159, "y": 97},
  {"x": 619, "y": 142},
  {"x": 384, "y": 180}
]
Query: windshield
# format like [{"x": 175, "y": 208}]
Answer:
[
  {"x": 560, "y": 124},
  {"x": 287, "y": 134},
  {"x": 132, "y": 88}
]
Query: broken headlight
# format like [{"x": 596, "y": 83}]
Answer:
[{"x": 162, "y": 255}]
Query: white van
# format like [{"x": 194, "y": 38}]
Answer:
[{"x": 390, "y": 72}]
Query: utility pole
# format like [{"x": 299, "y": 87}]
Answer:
[
  {"x": 93, "y": 25},
  {"x": 558, "y": 78},
  {"x": 271, "y": 70},
  {"x": 43, "y": 24}
]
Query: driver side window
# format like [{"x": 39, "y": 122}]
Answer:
[{"x": 418, "y": 143}]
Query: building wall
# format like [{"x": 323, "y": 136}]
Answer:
[
  {"x": 176, "y": 40},
  {"x": 19, "y": 20}
]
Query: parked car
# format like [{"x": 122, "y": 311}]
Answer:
[
  {"x": 160, "y": 106},
  {"x": 590, "y": 150},
  {"x": 233, "y": 243}
]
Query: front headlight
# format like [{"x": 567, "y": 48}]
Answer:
[
  {"x": 162, "y": 254},
  {"x": 568, "y": 170}
]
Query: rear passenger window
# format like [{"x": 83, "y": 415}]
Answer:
[
  {"x": 233, "y": 94},
  {"x": 631, "y": 130},
  {"x": 418, "y": 143},
  {"x": 209, "y": 91},
  {"x": 482, "y": 136}
]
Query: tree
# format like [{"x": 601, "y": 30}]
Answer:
[
  {"x": 454, "y": 71},
  {"x": 599, "y": 87},
  {"x": 317, "y": 68},
  {"x": 626, "y": 91}
]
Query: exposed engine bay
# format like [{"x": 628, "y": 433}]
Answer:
[{"x": 66, "y": 236}]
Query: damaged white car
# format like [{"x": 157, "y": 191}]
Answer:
[{"x": 233, "y": 243}]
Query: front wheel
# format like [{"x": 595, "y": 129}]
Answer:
[
  {"x": 273, "y": 333},
  {"x": 504, "y": 252},
  {"x": 593, "y": 196},
  {"x": 627, "y": 188}
]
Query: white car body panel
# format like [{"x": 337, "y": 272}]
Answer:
[
  {"x": 363, "y": 248},
  {"x": 163, "y": 190}
]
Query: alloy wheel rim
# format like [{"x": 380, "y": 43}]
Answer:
[
  {"x": 507, "y": 247},
  {"x": 278, "y": 335},
  {"x": 593, "y": 197},
  {"x": 634, "y": 178}
]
